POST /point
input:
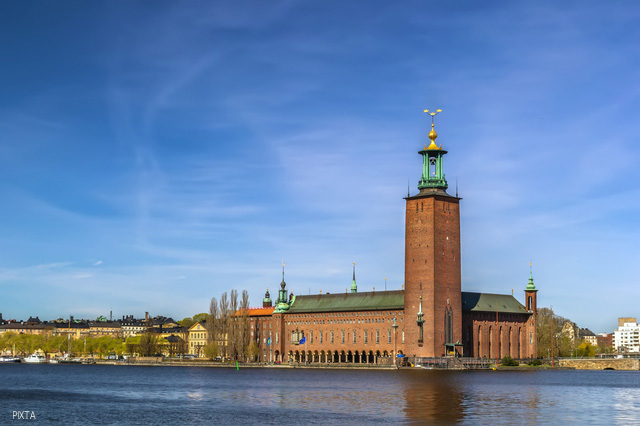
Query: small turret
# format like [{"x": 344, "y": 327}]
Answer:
[
  {"x": 530, "y": 293},
  {"x": 354, "y": 287},
  {"x": 282, "y": 304},
  {"x": 266, "y": 302}
]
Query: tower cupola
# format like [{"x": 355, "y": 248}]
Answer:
[
  {"x": 282, "y": 304},
  {"x": 266, "y": 302},
  {"x": 432, "y": 170}
]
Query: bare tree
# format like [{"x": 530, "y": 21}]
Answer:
[
  {"x": 244, "y": 325},
  {"x": 224, "y": 323},
  {"x": 212, "y": 323},
  {"x": 233, "y": 325},
  {"x": 149, "y": 344}
]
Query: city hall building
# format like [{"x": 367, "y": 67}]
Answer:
[{"x": 430, "y": 317}]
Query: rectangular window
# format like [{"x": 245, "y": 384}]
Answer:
[
  {"x": 332, "y": 336},
  {"x": 403, "y": 337},
  {"x": 343, "y": 337},
  {"x": 377, "y": 337},
  {"x": 366, "y": 337},
  {"x": 278, "y": 337},
  {"x": 311, "y": 337},
  {"x": 389, "y": 337},
  {"x": 531, "y": 338},
  {"x": 321, "y": 337},
  {"x": 354, "y": 336}
]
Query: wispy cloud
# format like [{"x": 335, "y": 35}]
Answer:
[{"x": 54, "y": 265}]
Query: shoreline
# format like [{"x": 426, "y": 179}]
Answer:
[{"x": 212, "y": 364}]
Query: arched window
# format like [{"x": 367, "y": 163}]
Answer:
[
  {"x": 448, "y": 325},
  {"x": 489, "y": 353},
  {"x": 432, "y": 166},
  {"x": 529, "y": 303}
]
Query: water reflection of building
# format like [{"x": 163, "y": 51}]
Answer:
[
  {"x": 433, "y": 397},
  {"x": 430, "y": 317}
]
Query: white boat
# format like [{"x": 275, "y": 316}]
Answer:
[
  {"x": 6, "y": 358},
  {"x": 35, "y": 359}
]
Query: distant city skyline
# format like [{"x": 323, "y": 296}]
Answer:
[{"x": 155, "y": 156}]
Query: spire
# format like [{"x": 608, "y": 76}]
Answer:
[
  {"x": 531, "y": 286},
  {"x": 282, "y": 304},
  {"x": 354, "y": 287},
  {"x": 432, "y": 171},
  {"x": 283, "y": 284}
]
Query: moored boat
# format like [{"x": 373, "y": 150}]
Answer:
[
  {"x": 35, "y": 359},
  {"x": 6, "y": 358}
]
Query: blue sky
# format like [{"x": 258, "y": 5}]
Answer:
[{"x": 156, "y": 154}]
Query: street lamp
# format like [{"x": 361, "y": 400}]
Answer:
[{"x": 395, "y": 329}]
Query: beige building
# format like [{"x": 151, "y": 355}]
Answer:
[{"x": 198, "y": 337}]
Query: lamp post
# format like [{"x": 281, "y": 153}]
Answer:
[{"x": 395, "y": 340}]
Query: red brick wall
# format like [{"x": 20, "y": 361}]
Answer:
[
  {"x": 486, "y": 338},
  {"x": 432, "y": 270},
  {"x": 324, "y": 323}
]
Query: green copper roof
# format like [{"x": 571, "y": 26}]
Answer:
[
  {"x": 531, "y": 286},
  {"x": 485, "y": 302},
  {"x": 344, "y": 302}
]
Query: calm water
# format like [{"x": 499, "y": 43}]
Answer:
[{"x": 94, "y": 394}]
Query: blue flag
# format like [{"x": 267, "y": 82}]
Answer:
[
  {"x": 268, "y": 341},
  {"x": 303, "y": 340}
]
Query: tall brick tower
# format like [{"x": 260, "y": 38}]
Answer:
[{"x": 432, "y": 300}]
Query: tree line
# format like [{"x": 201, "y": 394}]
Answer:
[
  {"x": 228, "y": 328},
  {"x": 550, "y": 325},
  {"x": 25, "y": 344}
]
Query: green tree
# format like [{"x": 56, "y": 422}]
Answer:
[
  {"x": 211, "y": 350},
  {"x": 200, "y": 317},
  {"x": 548, "y": 321},
  {"x": 132, "y": 345},
  {"x": 187, "y": 322},
  {"x": 585, "y": 349},
  {"x": 254, "y": 351}
]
